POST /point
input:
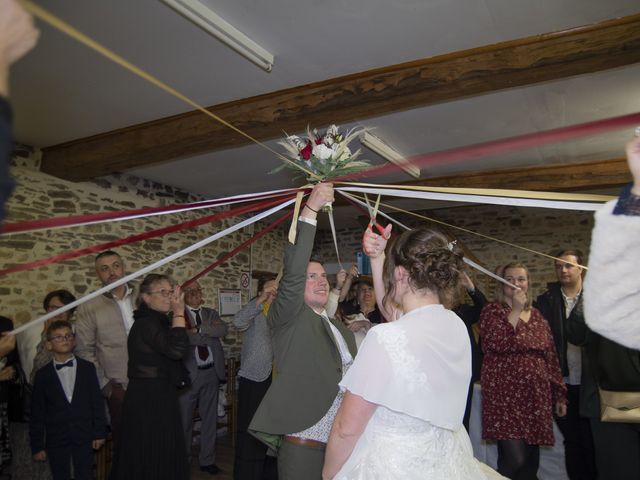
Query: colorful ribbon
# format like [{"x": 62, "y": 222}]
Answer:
[
  {"x": 153, "y": 266},
  {"x": 139, "y": 237}
]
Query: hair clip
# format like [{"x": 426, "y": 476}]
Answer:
[{"x": 451, "y": 244}]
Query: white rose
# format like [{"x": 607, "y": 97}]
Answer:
[{"x": 322, "y": 152}]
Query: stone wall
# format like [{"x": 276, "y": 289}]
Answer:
[{"x": 41, "y": 196}]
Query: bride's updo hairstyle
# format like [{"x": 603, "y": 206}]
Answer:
[{"x": 424, "y": 253}]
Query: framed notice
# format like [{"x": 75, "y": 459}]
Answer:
[{"x": 229, "y": 301}]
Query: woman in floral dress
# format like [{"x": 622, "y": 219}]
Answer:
[{"x": 521, "y": 378}]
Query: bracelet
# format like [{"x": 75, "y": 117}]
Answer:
[
  {"x": 307, "y": 205},
  {"x": 178, "y": 316}
]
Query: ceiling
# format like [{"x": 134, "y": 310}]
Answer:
[{"x": 63, "y": 91}]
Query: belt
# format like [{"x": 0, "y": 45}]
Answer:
[
  {"x": 305, "y": 442},
  {"x": 205, "y": 367}
]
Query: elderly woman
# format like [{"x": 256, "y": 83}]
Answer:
[
  {"x": 521, "y": 378},
  {"x": 152, "y": 441},
  {"x": 401, "y": 416}
]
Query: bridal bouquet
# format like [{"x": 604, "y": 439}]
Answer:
[{"x": 327, "y": 156}]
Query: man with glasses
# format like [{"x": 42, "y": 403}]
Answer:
[
  {"x": 204, "y": 361},
  {"x": 102, "y": 328}
]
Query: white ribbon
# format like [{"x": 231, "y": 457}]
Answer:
[
  {"x": 153, "y": 266},
  {"x": 453, "y": 197}
]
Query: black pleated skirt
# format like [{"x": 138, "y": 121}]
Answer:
[{"x": 151, "y": 444}]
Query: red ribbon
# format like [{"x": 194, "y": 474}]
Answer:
[
  {"x": 48, "y": 223},
  {"x": 143, "y": 236},
  {"x": 233, "y": 252},
  {"x": 503, "y": 145}
]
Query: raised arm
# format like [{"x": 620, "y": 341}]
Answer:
[
  {"x": 290, "y": 299},
  {"x": 18, "y": 35},
  {"x": 612, "y": 284},
  {"x": 346, "y": 286},
  {"x": 374, "y": 245},
  {"x": 245, "y": 317}
]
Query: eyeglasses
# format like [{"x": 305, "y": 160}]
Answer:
[
  {"x": 62, "y": 338},
  {"x": 163, "y": 292}
]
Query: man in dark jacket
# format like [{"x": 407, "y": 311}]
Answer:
[{"x": 562, "y": 300}]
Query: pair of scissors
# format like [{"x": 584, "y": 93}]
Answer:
[{"x": 373, "y": 213}]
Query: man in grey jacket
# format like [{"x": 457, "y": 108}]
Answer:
[{"x": 204, "y": 361}]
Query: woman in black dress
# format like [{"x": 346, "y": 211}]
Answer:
[{"x": 152, "y": 441}]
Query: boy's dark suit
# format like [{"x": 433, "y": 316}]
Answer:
[{"x": 64, "y": 429}]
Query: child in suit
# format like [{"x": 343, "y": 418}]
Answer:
[{"x": 67, "y": 409}]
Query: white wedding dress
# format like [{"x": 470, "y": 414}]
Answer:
[{"x": 417, "y": 371}]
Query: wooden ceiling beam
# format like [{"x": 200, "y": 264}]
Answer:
[
  {"x": 594, "y": 175},
  {"x": 476, "y": 71}
]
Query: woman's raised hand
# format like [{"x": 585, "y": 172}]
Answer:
[
  {"x": 177, "y": 301},
  {"x": 374, "y": 244}
]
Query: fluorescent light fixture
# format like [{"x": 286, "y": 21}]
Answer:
[
  {"x": 385, "y": 151},
  {"x": 217, "y": 26}
]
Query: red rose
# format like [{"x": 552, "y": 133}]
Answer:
[
  {"x": 305, "y": 153},
  {"x": 319, "y": 140}
]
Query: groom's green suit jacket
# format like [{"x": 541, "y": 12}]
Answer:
[{"x": 307, "y": 361}]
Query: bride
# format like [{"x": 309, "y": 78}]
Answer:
[{"x": 401, "y": 416}]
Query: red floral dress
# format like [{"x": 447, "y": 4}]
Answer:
[{"x": 521, "y": 377}]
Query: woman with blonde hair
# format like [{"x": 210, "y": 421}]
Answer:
[{"x": 521, "y": 378}]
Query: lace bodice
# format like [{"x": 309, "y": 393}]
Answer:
[{"x": 417, "y": 371}]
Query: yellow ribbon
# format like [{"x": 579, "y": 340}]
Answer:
[{"x": 493, "y": 192}]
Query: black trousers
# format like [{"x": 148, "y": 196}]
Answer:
[
  {"x": 617, "y": 447},
  {"x": 60, "y": 462},
  {"x": 251, "y": 461},
  {"x": 579, "y": 454}
]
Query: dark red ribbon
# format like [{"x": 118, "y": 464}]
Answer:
[
  {"x": 504, "y": 145},
  {"x": 97, "y": 217},
  {"x": 144, "y": 236}
]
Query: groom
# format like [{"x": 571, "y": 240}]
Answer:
[{"x": 311, "y": 355}]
